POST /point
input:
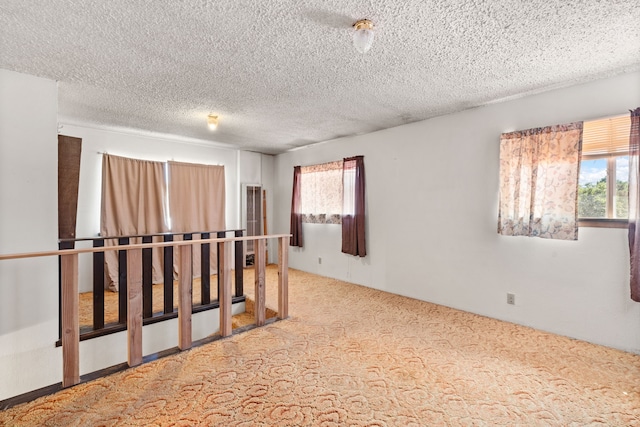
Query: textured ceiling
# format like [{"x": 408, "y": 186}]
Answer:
[{"x": 284, "y": 73}]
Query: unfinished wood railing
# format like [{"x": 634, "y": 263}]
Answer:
[{"x": 70, "y": 302}]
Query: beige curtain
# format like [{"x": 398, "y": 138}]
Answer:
[
  {"x": 539, "y": 171},
  {"x": 133, "y": 202},
  {"x": 197, "y": 203}
]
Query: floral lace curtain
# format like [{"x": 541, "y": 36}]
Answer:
[
  {"x": 539, "y": 171},
  {"x": 321, "y": 187},
  {"x": 634, "y": 203}
]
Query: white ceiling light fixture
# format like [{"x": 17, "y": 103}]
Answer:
[
  {"x": 363, "y": 36},
  {"x": 212, "y": 122}
]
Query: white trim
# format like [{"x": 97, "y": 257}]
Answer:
[{"x": 148, "y": 134}]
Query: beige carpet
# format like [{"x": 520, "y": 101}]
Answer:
[
  {"x": 353, "y": 356},
  {"x": 85, "y": 309}
]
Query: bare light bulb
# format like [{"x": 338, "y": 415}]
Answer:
[
  {"x": 212, "y": 122},
  {"x": 363, "y": 36}
]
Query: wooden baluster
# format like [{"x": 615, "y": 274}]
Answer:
[
  {"x": 224, "y": 271},
  {"x": 122, "y": 281},
  {"x": 239, "y": 259},
  {"x": 205, "y": 271},
  {"x": 98, "y": 286},
  {"x": 168, "y": 275},
  {"x": 61, "y": 245},
  {"x": 283, "y": 277},
  {"x": 260, "y": 265},
  {"x": 70, "y": 321},
  {"x": 147, "y": 278},
  {"x": 134, "y": 306},
  {"x": 219, "y": 235},
  {"x": 185, "y": 303}
]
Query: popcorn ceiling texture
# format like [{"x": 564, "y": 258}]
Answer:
[{"x": 284, "y": 73}]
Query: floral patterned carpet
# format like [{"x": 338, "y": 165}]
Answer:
[{"x": 353, "y": 356}]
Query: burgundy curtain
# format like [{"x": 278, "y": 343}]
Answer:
[
  {"x": 634, "y": 203},
  {"x": 353, "y": 238},
  {"x": 296, "y": 213}
]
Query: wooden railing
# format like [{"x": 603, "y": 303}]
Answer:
[
  {"x": 99, "y": 326},
  {"x": 134, "y": 319}
]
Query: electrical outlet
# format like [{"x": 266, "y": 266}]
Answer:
[
  {"x": 319, "y": 260},
  {"x": 511, "y": 299}
]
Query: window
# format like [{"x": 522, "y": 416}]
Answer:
[
  {"x": 332, "y": 193},
  {"x": 538, "y": 177},
  {"x": 321, "y": 193},
  {"x": 603, "y": 186}
]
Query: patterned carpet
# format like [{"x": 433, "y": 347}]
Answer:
[
  {"x": 353, "y": 356},
  {"x": 85, "y": 311}
]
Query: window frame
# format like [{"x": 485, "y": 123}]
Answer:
[
  {"x": 609, "y": 221},
  {"x": 315, "y": 170}
]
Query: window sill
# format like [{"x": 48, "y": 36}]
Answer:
[{"x": 603, "y": 223}]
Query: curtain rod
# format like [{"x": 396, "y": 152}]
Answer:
[{"x": 172, "y": 160}]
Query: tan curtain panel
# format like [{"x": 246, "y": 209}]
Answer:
[
  {"x": 539, "y": 171},
  {"x": 197, "y": 203},
  {"x": 133, "y": 202}
]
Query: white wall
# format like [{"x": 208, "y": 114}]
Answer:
[
  {"x": 28, "y": 222},
  {"x": 268, "y": 184},
  {"x": 256, "y": 168},
  {"x": 432, "y": 197}
]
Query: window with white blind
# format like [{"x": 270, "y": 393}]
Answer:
[{"x": 603, "y": 185}]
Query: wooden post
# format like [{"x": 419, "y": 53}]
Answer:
[
  {"x": 122, "y": 281},
  {"x": 147, "y": 278},
  {"x": 205, "y": 270},
  {"x": 168, "y": 275},
  {"x": 98, "y": 286},
  {"x": 283, "y": 277},
  {"x": 185, "y": 302},
  {"x": 239, "y": 259},
  {"x": 70, "y": 321},
  {"x": 224, "y": 270},
  {"x": 260, "y": 266},
  {"x": 134, "y": 306},
  {"x": 264, "y": 221}
]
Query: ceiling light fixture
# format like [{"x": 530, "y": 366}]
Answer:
[
  {"x": 363, "y": 36},
  {"x": 212, "y": 121}
]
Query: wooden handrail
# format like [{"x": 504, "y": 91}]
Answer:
[{"x": 59, "y": 252}]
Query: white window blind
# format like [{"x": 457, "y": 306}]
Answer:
[{"x": 606, "y": 136}]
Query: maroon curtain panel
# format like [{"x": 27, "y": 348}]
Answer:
[
  {"x": 634, "y": 203},
  {"x": 296, "y": 214},
  {"x": 353, "y": 234}
]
